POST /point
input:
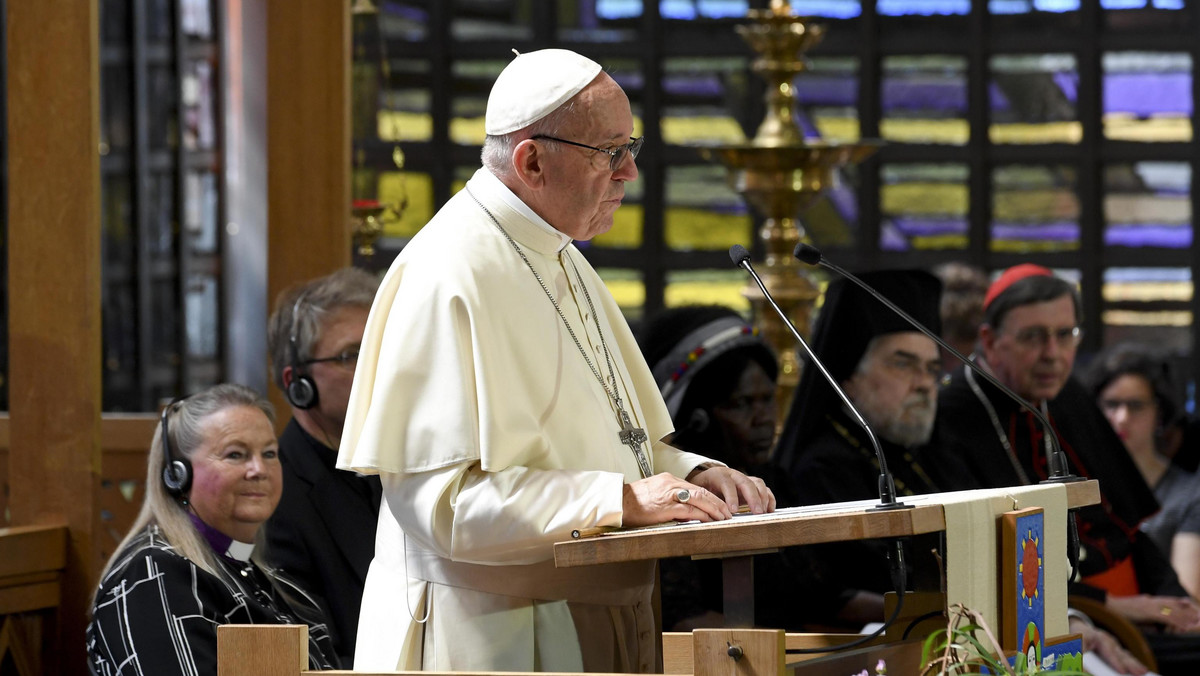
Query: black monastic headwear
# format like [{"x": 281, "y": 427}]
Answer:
[{"x": 848, "y": 321}]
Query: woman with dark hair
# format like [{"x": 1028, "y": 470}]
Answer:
[
  {"x": 1132, "y": 385},
  {"x": 190, "y": 562}
]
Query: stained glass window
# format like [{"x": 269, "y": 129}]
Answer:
[
  {"x": 1035, "y": 209},
  {"x": 924, "y": 99},
  {"x": 1033, "y": 99},
  {"x": 924, "y": 206},
  {"x": 1148, "y": 204},
  {"x": 1148, "y": 96}
]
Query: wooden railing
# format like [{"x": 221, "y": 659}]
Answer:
[
  {"x": 124, "y": 440},
  {"x": 282, "y": 650},
  {"x": 32, "y": 559}
]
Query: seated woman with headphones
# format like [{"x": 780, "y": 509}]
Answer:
[{"x": 190, "y": 563}]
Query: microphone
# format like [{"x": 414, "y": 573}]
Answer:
[
  {"x": 897, "y": 567},
  {"x": 1059, "y": 471},
  {"x": 887, "y": 486}
]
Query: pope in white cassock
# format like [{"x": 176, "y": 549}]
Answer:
[{"x": 500, "y": 396}]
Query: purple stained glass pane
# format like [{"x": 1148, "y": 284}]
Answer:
[
  {"x": 903, "y": 93},
  {"x": 1062, "y": 231},
  {"x": 825, "y": 90},
  {"x": 930, "y": 227},
  {"x": 1142, "y": 235},
  {"x": 1148, "y": 93}
]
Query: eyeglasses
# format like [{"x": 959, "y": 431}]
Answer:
[
  {"x": 1133, "y": 406},
  {"x": 346, "y": 359},
  {"x": 1038, "y": 337},
  {"x": 615, "y": 155}
]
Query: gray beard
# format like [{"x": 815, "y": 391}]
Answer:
[{"x": 907, "y": 434}]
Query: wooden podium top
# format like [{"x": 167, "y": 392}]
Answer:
[{"x": 834, "y": 522}]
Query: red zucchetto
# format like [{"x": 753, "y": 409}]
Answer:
[{"x": 1011, "y": 276}]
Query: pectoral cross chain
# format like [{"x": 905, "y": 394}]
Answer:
[{"x": 634, "y": 437}]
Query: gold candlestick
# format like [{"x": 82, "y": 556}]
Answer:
[{"x": 780, "y": 174}]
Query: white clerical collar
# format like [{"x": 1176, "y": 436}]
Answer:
[
  {"x": 239, "y": 551},
  {"x": 491, "y": 183}
]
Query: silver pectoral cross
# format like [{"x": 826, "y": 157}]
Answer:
[{"x": 634, "y": 437}]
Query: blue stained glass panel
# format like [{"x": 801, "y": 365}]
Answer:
[{"x": 923, "y": 7}]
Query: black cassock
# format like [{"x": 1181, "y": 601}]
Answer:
[
  {"x": 157, "y": 612},
  {"x": 840, "y": 465}
]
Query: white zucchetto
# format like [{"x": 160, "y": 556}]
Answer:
[{"x": 533, "y": 85}]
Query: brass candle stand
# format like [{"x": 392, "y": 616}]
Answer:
[{"x": 780, "y": 174}]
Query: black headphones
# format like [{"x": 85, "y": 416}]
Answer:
[
  {"x": 302, "y": 391},
  {"x": 177, "y": 472}
]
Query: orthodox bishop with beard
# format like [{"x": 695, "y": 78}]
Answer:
[{"x": 891, "y": 372}]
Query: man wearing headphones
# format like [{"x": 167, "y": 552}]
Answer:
[{"x": 323, "y": 532}]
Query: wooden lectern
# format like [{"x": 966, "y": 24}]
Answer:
[{"x": 970, "y": 519}]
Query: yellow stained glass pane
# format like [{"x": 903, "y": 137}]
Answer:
[
  {"x": 836, "y": 128},
  {"x": 949, "y": 132},
  {"x": 1180, "y": 318},
  {"x": 394, "y": 125},
  {"x": 415, "y": 190},
  {"x": 626, "y": 232},
  {"x": 701, "y": 129},
  {"x": 925, "y": 199},
  {"x": 1159, "y": 129},
  {"x": 1047, "y": 132},
  {"x": 627, "y": 288},
  {"x": 1147, "y": 291},
  {"x": 689, "y": 229},
  {"x": 706, "y": 287}
]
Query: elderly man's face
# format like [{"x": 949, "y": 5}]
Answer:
[
  {"x": 1033, "y": 349},
  {"x": 895, "y": 386},
  {"x": 582, "y": 193}
]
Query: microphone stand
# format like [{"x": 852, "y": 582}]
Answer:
[
  {"x": 887, "y": 487},
  {"x": 897, "y": 568},
  {"x": 1059, "y": 471}
]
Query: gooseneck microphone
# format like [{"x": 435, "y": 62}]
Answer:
[
  {"x": 1059, "y": 471},
  {"x": 887, "y": 487},
  {"x": 897, "y": 567}
]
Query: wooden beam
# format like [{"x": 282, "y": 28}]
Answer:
[
  {"x": 54, "y": 289},
  {"x": 308, "y": 144}
]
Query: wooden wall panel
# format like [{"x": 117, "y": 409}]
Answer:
[
  {"x": 308, "y": 144},
  {"x": 54, "y": 283}
]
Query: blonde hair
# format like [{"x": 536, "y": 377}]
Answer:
[{"x": 186, "y": 420}]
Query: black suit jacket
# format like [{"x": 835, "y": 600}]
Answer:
[{"x": 323, "y": 532}]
